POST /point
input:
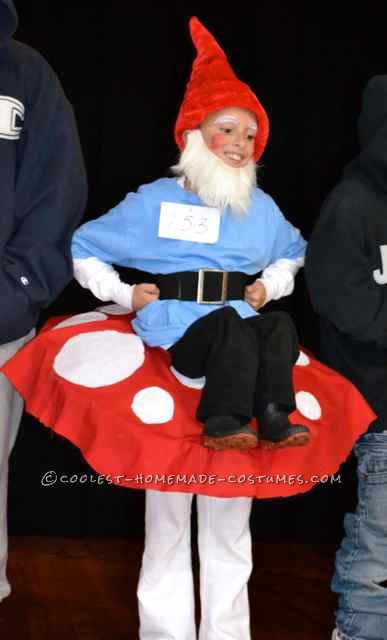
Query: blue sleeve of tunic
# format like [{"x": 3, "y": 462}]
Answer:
[
  {"x": 110, "y": 238},
  {"x": 289, "y": 242}
]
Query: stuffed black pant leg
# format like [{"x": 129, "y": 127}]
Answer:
[
  {"x": 278, "y": 350},
  {"x": 274, "y": 393},
  {"x": 222, "y": 347}
]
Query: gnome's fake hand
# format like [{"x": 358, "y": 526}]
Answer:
[
  {"x": 143, "y": 294},
  {"x": 255, "y": 295}
]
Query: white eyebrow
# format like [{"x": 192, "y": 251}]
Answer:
[
  {"x": 234, "y": 120},
  {"x": 226, "y": 119}
]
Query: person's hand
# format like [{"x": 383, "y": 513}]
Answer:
[
  {"x": 143, "y": 294},
  {"x": 255, "y": 295}
]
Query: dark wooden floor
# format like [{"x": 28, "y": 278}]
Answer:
[{"x": 85, "y": 590}]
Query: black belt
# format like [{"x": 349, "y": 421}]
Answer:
[{"x": 206, "y": 286}]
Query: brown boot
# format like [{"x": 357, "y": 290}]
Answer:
[
  {"x": 276, "y": 432},
  {"x": 226, "y": 432}
]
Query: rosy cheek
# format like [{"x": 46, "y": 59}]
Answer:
[{"x": 216, "y": 141}]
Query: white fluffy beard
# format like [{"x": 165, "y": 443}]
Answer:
[{"x": 216, "y": 183}]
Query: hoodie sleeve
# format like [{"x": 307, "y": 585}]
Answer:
[
  {"x": 49, "y": 201},
  {"x": 339, "y": 274}
]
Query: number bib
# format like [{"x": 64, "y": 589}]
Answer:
[{"x": 189, "y": 222}]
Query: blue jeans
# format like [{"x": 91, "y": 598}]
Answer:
[{"x": 360, "y": 578}]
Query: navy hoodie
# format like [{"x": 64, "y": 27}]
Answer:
[
  {"x": 346, "y": 262},
  {"x": 42, "y": 182}
]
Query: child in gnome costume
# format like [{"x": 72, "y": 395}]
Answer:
[
  {"x": 202, "y": 239},
  {"x": 206, "y": 234}
]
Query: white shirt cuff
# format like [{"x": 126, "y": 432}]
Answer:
[
  {"x": 103, "y": 281},
  {"x": 278, "y": 278}
]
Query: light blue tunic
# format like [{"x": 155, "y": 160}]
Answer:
[{"x": 127, "y": 236}]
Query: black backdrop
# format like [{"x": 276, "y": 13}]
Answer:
[{"x": 124, "y": 65}]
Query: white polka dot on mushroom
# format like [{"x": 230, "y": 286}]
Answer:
[
  {"x": 303, "y": 360},
  {"x": 308, "y": 405},
  {"x": 81, "y": 318},
  {"x": 193, "y": 383},
  {"x": 99, "y": 358},
  {"x": 153, "y": 405},
  {"x": 114, "y": 309}
]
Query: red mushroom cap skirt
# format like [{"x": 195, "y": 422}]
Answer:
[{"x": 91, "y": 379}]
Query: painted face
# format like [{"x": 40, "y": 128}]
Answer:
[{"x": 230, "y": 134}]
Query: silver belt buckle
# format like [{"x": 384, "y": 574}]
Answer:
[{"x": 199, "y": 295}]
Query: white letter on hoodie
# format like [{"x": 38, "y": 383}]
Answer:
[
  {"x": 10, "y": 110},
  {"x": 380, "y": 276}
]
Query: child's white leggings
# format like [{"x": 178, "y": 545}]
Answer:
[{"x": 165, "y": 590}]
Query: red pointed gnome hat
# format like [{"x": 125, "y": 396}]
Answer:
[{"x": 213, "y": 85}]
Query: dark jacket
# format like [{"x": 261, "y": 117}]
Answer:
[
  {"x": 346, "y": 263},
  {"x": 42, "y": 182}
]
